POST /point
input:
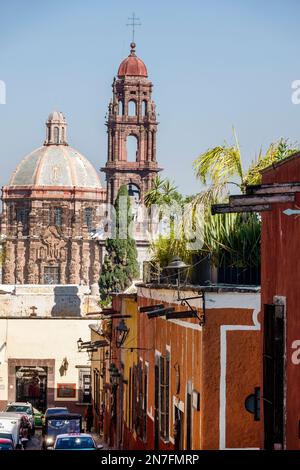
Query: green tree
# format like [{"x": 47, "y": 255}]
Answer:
[
  {"x": 120, "y": 265},
  {"x": 233, "y": 239},
  {"x": 162, "y": 192},
  {"x": 221, "y": 166}
]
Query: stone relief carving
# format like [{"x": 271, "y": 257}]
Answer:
[{"x": 53, "y": 248}]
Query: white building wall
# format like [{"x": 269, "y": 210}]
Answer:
[{"x": 43, "y": 339}]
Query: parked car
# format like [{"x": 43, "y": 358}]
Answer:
[
  {"x": 56, "y": 411},
  {"x": 24, "y": 408},
  {"x": 38, "y": 418},
  {"x": 15, "y": 427},
  {"x": 6, "y": 444},
  {"x": 72, "y": 441},
  {"x": 55, "y": 424}
]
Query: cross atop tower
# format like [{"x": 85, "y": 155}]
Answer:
[{"x": 134, "y": 21}]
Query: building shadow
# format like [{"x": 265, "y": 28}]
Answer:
[{"x": 67, "y": 302}]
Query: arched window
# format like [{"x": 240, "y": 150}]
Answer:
[
  {"x": 132, "y": 148},
  {"x": 58, "y": 216},
  {"x": 144, "y": 108},
  {"x": 131, "y": 108},
  {"x": 120, "y": 108},
  {"x": 88, "y": 218},
  {"x": 63, "y": 134},
  {"x": 56, "y": 135}
]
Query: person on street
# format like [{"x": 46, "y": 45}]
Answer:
[{"x": 89, "y": 418}]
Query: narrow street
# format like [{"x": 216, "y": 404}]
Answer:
[{"x": 35, "y": 442}]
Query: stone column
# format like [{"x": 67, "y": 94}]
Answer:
[
  {"x": 154, "y": 146},
  {"x": 149, "y": 150}
]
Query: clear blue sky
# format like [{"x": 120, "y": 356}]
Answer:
[{"x": 213, "y": 63}]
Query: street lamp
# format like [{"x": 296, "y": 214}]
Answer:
[
  {"x": 79, "y": 344},
  {"x": 179, "y": 265},
  {"x": 114, "y": 375},
  {"x": 122, "y": 333}
]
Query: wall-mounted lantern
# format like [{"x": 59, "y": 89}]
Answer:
[
  {"x": 122, "y": 332},
  {"x": 64, "y": 367},
  {"x": 79, "y": 344},
  {"x": 114, "y": 375},
  {"x": 178, "y": 266}
]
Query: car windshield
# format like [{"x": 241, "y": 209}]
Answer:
[
  {"x": 75, "y": 443},
  {"x": 63, "y": 426},
  {"x": 5, "y": 446},
  {"x": 56, "y": 411},
  {"x": 19, "y": 409}
]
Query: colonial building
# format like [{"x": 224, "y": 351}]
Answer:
[
  {"x": 176, "y": 382},
  {"x": 52, "y": 214},
  {"x": 52, "y": 202},
  {"x": 49, "y": 208}
]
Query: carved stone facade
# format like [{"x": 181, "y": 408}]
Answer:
[
  {"x": 47, "y": 227},
  {"x": 53, "y": 201}
]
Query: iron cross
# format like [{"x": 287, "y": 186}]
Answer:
[{"x": 134, "y": 22}]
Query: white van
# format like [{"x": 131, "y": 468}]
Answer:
[{"x": 10, "y": 424}]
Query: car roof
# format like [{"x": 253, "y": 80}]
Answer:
[
  {"x": 19, "y": 403},
  {"x": 64, "y": 415},
  {"x": 57, "y": 408},
  {"x": 74, "y": 434},
  {"x": 11, "y": 415}
]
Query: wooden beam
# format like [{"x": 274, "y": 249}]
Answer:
[
  {"x": 226, "y": 208},
  {"x": 273, "y": 188},
  {"x": 160, "y": 313},
  {"x": 185, "y": 314},
  {"x": 245, "y": 200}
]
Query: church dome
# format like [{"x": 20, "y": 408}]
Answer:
[
  {"x": 132, "y": 66},
  {"x": 55, "y": 163}
]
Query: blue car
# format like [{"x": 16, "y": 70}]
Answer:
[{"x": 75, "y": 442}]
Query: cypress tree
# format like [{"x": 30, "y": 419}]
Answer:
[{"x": 120, "y": 265}]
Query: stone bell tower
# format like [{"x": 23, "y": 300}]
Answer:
[{"x": 131, "y": 117}]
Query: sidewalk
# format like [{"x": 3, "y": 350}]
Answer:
[{"x": 99, "y": 441}]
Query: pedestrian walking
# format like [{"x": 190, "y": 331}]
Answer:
[{"x": 89, "y": 418}]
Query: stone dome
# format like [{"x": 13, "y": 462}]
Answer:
[
  {"x": 132, "y": 66},
  {"x": 55, "y": 165}
]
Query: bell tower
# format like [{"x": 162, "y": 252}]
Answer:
[{"x": 131, "y": 129}]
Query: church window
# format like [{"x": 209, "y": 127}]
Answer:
[
  {"x": 120, "y": 108},
  {"x": 131, "y": 108},
  {"x": 51, "y": 275},
  {"x": 22, "y": 215},
  {"x": 63, "y": 134},
  {"x": 56, "y": 135},
  {"x": 132, "y": 148},
  {"x": 144, "y": 108},
  {"x": 88, "y": 218},
  {"x": 58, "y": 216}
]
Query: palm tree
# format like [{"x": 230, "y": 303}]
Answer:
[
  {"x": 222, "y": 167},
  {"x": 233, "y": 239},
  {"x": 162, "y": 192}
]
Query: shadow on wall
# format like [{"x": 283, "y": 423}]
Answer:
[{"x": 67, "y": 302}]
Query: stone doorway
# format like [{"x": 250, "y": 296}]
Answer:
[
  {"x": 39, "y": 374},
  {"x": 31, "y": 385}
]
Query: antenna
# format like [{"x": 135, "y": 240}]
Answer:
[{"x": 134, "y": 21}]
